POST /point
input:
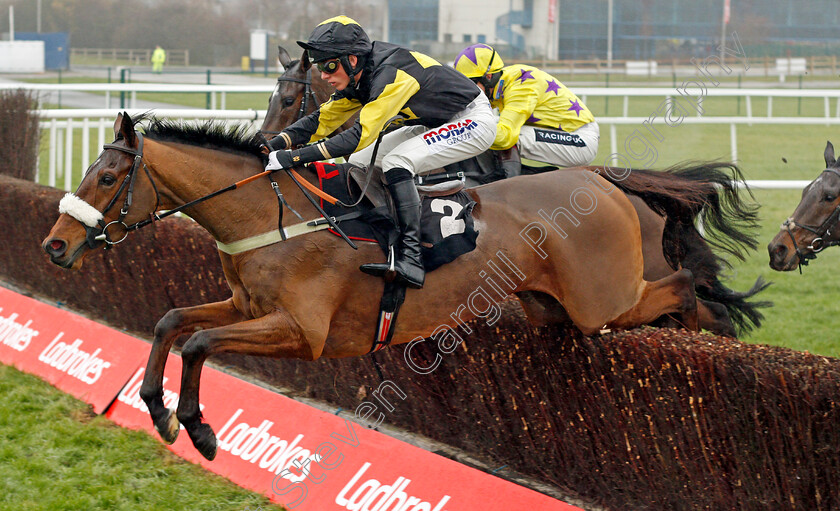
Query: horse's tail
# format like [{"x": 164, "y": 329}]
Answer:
[
  {"x": 744, "y": 315},
  {"x": 711, "y": 192},
  {"x": 706, "y": 266},
  {"x": 682, "y": 193}
]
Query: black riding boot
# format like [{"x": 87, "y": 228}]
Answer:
[
  {"x": 510, "y": 161},
  {"x": 409, "y": 262}
]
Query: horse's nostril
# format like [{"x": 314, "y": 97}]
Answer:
[{"x": 56, "y": 247}]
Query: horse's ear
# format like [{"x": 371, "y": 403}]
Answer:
[
  {"x": 283, "y": 57},
  {"x": 118, "y": 125},
  {"x": 829, "y": 155},
  {"x": 304, "y": 61},
  {"x": 124, "y": 128}
]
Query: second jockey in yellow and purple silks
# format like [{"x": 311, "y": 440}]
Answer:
[{"x": 538, "y": 114}]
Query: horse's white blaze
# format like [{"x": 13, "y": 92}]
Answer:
[{"x": 80, "y": 210}]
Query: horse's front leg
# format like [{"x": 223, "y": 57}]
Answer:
[
  {"x": 275, "y": 335},
  {"x": 173, "y": 324}
]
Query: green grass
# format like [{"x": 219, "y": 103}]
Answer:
[
  {"x": 803, "y": 317},
  {"x": 55, "y": 454},
  {"x": 65, "y": 79},
  {"x": 233, "y": 100}
]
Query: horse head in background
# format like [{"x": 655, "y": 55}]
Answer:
[
  {"x": 813, "y": 225},
  {"x": 299, "y": 92}
]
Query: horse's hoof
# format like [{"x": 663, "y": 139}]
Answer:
[
  {"x": 204, "y": 441},
  {"x": 172, "y": 427}
]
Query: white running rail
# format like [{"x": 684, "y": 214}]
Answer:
[{"x": 61, "y": 145}]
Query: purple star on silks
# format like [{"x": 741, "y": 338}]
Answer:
[
  {"x": 533, "y": 120},
  {"x": 525, "y": 75},
  {"x": 469, "y": 52},
  {"x": 576, "y": 108},
  {"x": 553, "y": 87}
]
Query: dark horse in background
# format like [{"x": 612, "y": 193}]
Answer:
[
  {"x": 726, "y": 217},
  {"x": 813, "y": 225}
]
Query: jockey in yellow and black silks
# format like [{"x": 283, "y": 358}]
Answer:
[
  {"x": 446, "y": 120},
  {"x": 538, "y": 114}
]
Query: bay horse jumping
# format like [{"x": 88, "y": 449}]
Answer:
[
  {"x": 300, "y": 90},
  {"x": 813, "y": 225},
  {"x": 306, "y": 298}
]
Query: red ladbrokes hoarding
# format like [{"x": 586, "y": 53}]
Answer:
[
  {"x": 298, "y": 455},
  {"x": 79, "y": 356},
  {"x": 308, "y": 459}
]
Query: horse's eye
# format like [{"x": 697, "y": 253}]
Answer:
[
  {"x": 107, "y": 180},
  {"x": 829, "y": 198},
  {"x": 288, "y": 101}
]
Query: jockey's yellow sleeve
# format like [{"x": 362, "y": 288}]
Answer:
[
  {"x": 527, "y": 95},
  {"x": 333, "y": 114},
  {"x": 395, "y": 82},
  {"x": 388, "y": 103}
]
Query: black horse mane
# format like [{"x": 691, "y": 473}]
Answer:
[{"x": 212, "y": 134}]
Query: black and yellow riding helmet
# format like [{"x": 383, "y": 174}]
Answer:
[{"x": 337, "y": 38}]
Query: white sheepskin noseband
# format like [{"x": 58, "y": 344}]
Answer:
[{"x": 80, "y": 210}]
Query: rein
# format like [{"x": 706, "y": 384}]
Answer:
[
  {"x": 818, "y": 244},
  {"x": 93, "y": 238}
]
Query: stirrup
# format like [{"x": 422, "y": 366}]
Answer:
[
  {"x": 380, "y": 269},
  {"x": 376, "y": 269}
]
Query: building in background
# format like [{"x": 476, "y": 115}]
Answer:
[
  {"x": 519, "y": 28},
  {"x": 661, "y": 29},
  {"x": 641, "y": 29}
]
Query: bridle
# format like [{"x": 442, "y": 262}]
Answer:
[
  {"x": 93, "y": 237},
  {"x": 308, "y": 95},
  {"x": 818, "y": 244}
]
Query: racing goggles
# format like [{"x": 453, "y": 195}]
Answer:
[{"x": 328, "y": 66}]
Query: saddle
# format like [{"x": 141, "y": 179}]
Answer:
[
  {"x": 447, "y": 226},
  {"x": 374, "y": 189},
  {"x": 447, "y": 229},
  {"x": 487, "y": 167}
]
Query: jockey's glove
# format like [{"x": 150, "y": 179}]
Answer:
[{"x": 278, "y": 160}]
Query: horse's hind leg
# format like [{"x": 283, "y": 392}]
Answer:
[
  {"x": 712, "y": 316},
  {"x": 173, "y": 324},
  {"x": 274, "y": 335},
  {"x": 542, "y": 309},
  {"x": 672, "y": 294},
  {"x": 715, "y": 318}
]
